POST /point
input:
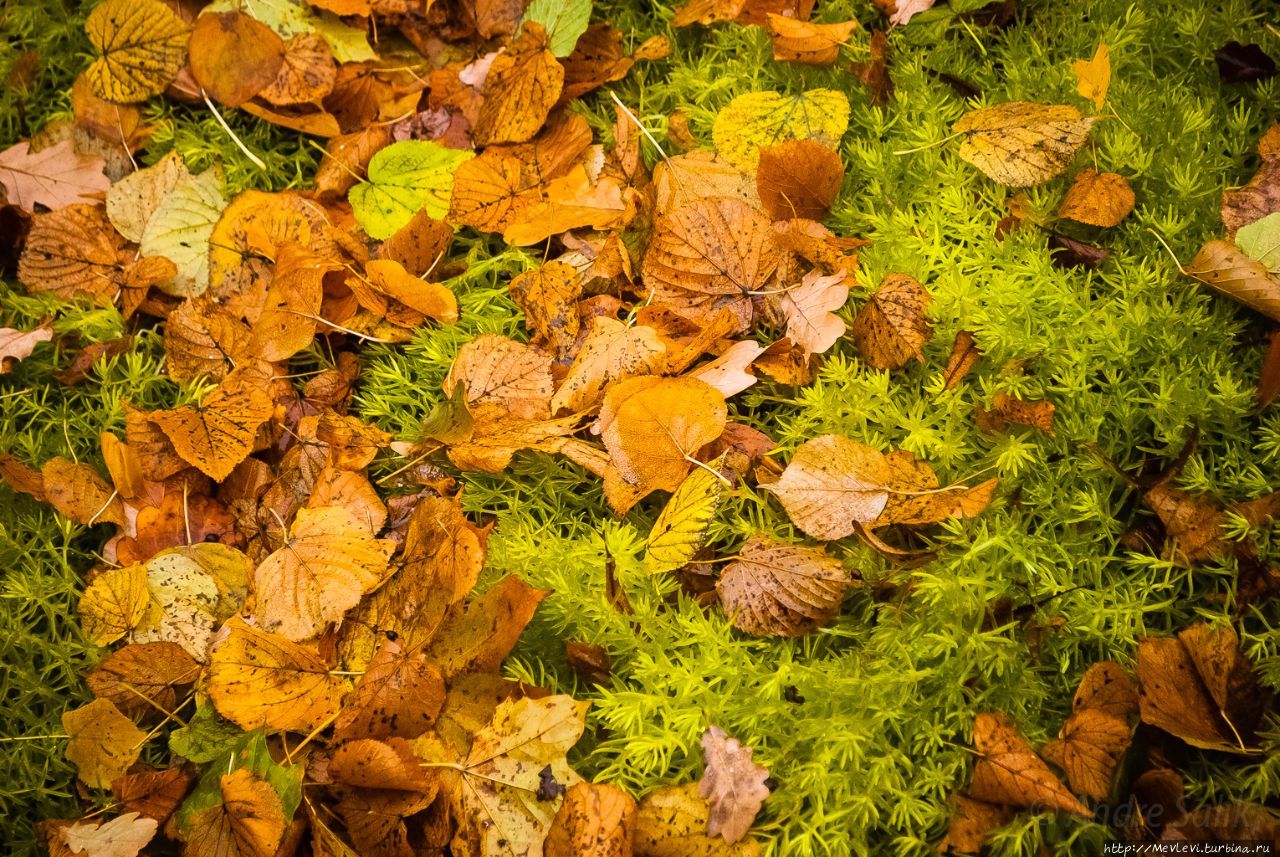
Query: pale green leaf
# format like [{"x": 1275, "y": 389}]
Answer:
[
  {"x": 1261, "y": 240},
  {"x": 289, "y": 18},
  {"x": 404, "y": 178},
  {"x": 564, "y": 20},
  {"x": 179, "y": 230}
]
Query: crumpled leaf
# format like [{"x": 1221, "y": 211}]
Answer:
[
  {"x": 671, "y": 821},
  {"x": 733, "y": 785},
  {"x": 1020, "y": 144},
  {"x": 123, "y": 836},
  {"x": 681, "y": 528},
  {"x": 781, "y": 590},
  {"x": 892, "y": 327},
  {"x": 403, "y": 179},
  {"x": 1009, "y": 772},
  {"x": 756, "y": 120},
  {"x": 1093, "y": 76},
  {"x": 102, "y": 743},
  {"x": 1098, "y": 199},
  {"x": 54, "y": 177},
  {"x": 142, "y": 45},
  {"x": 595, "y": 820},
  {"x": 522, "y": 86}
]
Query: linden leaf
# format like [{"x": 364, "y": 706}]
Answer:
[
  {"x": 1021, "y": 144},
  {"x": 102, "y": 743},
  {"x": 972, "y": 821},
  {"x": 782, "y": 590},
  {"x": 564, "y": 20},
  {"x": 132, "y": 201},
  {"x": 440, "y": 540},
  {"x": 1093, "y": 76},
  {"x": 153, "y": 794},
  {"x": 79, "y": 493},
  {"x": 403, "y": 179},
  {"x": 286, "y": 321},
  {"x": 757, "y": 120},
  {"x": 494, "y": 369},
  {"x": 180, "y": 228},
  {"x": 248, "y": 821},
  {"x": 234, "y": 56},
  {"x": 574, "y": 201},
  {"x": 143, "y": 678},
  {"x": 612, "y": 351},
  {"x": 671, "y": 821},
  {"x": 1090, "y": 747},
  {"x": 244, "y": 240},
  {"x": 687, "y": 178},
  {"x": 893, "y": 326},
  {"x": 681, "y": 528},
  {"x": 548, "y": 296},
  {"x": 653, "y": 426},
  {"x": 113, "y": 603},
  {"x": 371, "y": 764},
  {"x": 1009, "y": 772},
  {"x": 595, "y": 820},
  {"x": 1223, "y": 268},
  {"x": 481, "y": 636},
  {"x": 398, "y": 696},
  {"x": 832, "y": 484},
  {"x": 306, "y": 75},
  {"x": 799, "y": 178},
  {"x": 142, "y": 43},
  {"x": 73, "y": 252},
  {"x": 809, "y": 309},
  {"x": 522, "y": 86},
  {"x": 597, "y": 59},
  {"x": 732, "y": 784},
  {"x": 805, "y": 42},
  {"x": 257, "y": 678},
  {"x": 193, "y": 589},
  {"x": 55, "y": 177},
  {"x": 1098, "y": 199},
  {"x": 219, "y": 433},
  {"x": 123, "y": 836},
  {"x": 327, "y": 564}
]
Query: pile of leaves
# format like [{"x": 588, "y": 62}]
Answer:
[{"x": 334, "y": 676}]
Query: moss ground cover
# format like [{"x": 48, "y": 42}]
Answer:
[{"x": 863, "y": 724}]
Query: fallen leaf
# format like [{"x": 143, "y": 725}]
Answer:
[
  {"x": 54, "y": 177},
  {"x": 1067, "y": 252},
  {"x": 79, "y": 493},
  {"x": 1239, "y": 63},
  {"x": 1090, "y": 747},
  {"x": 1093, "y": 76},
  {"x": 964, "y": 355},
  {"x": 142, "y": 45},
  {"x": 809, "y": 309},
  {"x": 832, "y": 484},
  {"x": 102, "y": 743},
  {"x": 153, "y": 794},
  {"x": 259, "y": 679},
  {"x": 1257, "y": 199},
  {"x": 419, "y": 245},
  {"x": 653, "y": 426},
  {"x": 248, "y": 820},
  {"x": 1098, "y": 199},
  {"x": 501, "y": 371},
  {"x": 439, "y": 540},
  {"x": 548, "y": 297},
  {"x": 73, "y": 252},
  {"x": 399, "y": 696},
  {"x": 757, "y": 120},
  {"x": 805, "y": 42},
  {"x": 522, "y": 86},
  {"x": 892, "y": 327},
  {"x": 121, "y": 124},
  {"x": 681, "y": 528},
  {"x": 432, "y": 300},
  {"x": 905, "y": 10},
  {"x": 781, "y": 590},
  {"x": 671, "y": 821},
  {"x": 1261, "y": 240},
  {"x": 1225, "y": 825},
  {"x": 1225, "y": 269},
  {"x": 874, "y": 73},
  {"x": 113, "y": 604},
  {"x": 1021, "y": 144},
  {"x": 972, "y": 821},
  {"x": 307, "y": 74},
  {"x": 219, "y": 433},
  {"x": 1009, "y": 772},
  {"x": 728, "y": 373},
  {"x": 144, "y": 678},
  {"x": 798, "y": 178},
  {"x": 574, "y": 201},
  {"x": 17, "y": 345},
  {"x": 252, "y": 226},
  {"x": 133, "y": 200},
  {"x": 733, "y": 785},
  {"x": 234, "y": 56},
  {"x": 481, "y": 636},
  {"x": 564, "y": 21},
  {"x": 597, "y": 59},
  {"x": 595, "y": 820},
  {"x": 684, "y": 179},
  {"x": 403, "y": 179},
  {"x": 123, "y": 836},
  {"x": 180, "y": 229},
  {"x": 1006, "y": 409},
  {"x": 192, "y": 590},
  {"x": 612, "y": 352}
]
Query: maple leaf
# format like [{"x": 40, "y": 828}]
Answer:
[
  {"x": 733, "y": 785},
  {"x": 55, "y": 177}
]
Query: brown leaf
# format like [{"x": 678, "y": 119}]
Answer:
[
  {"x": 684, "y": 179},
  {"x": 234, "y": 56},
  {"x": 1098, "y": 199},
  {"x": 420, "y": 244},
  {"x": 73, "y": 252},
  {"x": 589, "y": 662},
  {"x": 1066, "y": 252},
  {"x": 1257, "y": 199},
  {"x": 1269, "y": 375},
  {"x": 612, "y": 351},
  {"x": 154, "y": 794},
  {"x": 595, "y": 820},
  {"x": 597, "y": 59},
  {"x": 733, "y": 785},
  {"x": 123, "y": 836},
  {"x": 17, "y": 345},
  {"x": 548, "y": 296},
  {"x": 805, "y": 42},
  {"x": 1089, "y": 749},
  {"x": 370, "y": 764},
  {"x": 398, "y": 696},
  {"x": 439, "y": 540},
  {"x": 671, "y": 821},
  {"x": 892, "y": 326},
  {"x": 972, "y": 821},
  {"x": 346, "y": 160},
  {"x": 652, "y": 427},
  {"x": 1192, "y": 523},
  {"x": 244, "y": 241},
  {"x": 964, "y": 355},
  {"x": 799, "y": 178},
  {"x": 115, "y": 123},
  {"x": 782, "y": 590},
  {"x": 144, "y": 678},
  {"x": 573, "y": 201},
  {"x": 874, "y": 73},
  {"x": 307, "y": 73},
  {"x": 79, "y": 493},
  {"x": 219, "y": 433},
  {"x": 809, "y": 308},
  {"x": 1007, "y": 409},
  {"x": 1009, "y": 772},
  {"x": 1229, "y": 824},
  {"x": 202, "y": 339},
  {"x": 487, "y": 628},
  {"x": 432, "y": 300},
  {"x": 1223, "y": 268},
  {"x": 54, "y": 177},
  {"x": 1108, "y": 688},
  {"x": 102, "y": 743},
  {"x": 522, "y": 86},
  {"x": 247, "y": 822}
]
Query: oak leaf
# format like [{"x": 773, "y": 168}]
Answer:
[
  {"x": 799, "y": 178},
  {"x": 652, "y": 427},
  {"x": 102, "y": 743},
  {"x": 142, "y": 45},
  {"x": 733, "y": 785},
  {"x": 219, "y": 433},
  {"x": 595, "y": 820},
  {"x": 671, "y": 821},
  {"x": 1009, "y": 772},
  {"x": 233, "y": 56},
  {"x": 248, "y": 821},
  {"x": 781, "y": 590},
  {"x": 1093, "y": 76},
  {"x": 893, "y": 326},
  {"x": 832, "y": 484},
  {"x": 113, "y": 603},
  {"x": 681, "y": 528},
  {"x": 1021, "y": 144},
  {"x": 259, "y": 679},
  {"x": 123, "y": 836},
  {"x": 806, "y": 42},
  {"x": 522, "y": 86},
  {"x": 54, "y": 177},
  {"x": 1098, "y": 199},
  {"x": 757, "y": 120}
]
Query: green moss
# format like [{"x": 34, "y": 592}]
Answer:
[{"x": 1134, "y": 356}]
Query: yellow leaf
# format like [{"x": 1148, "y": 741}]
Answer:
[
  {"x": 102, "y": 742},
  {"x": 113, "y": 603},
  {"x": 248, "y": 822},
  {"x": 142, "y": 44},
  {"x": 1019, "y": 143},
  {"x": 191, "y": 591},
  {"x": 782, "y": 590},
  {"x": 672, "y": 822},
  {"x": 681, "y": 528},
  {"x": 612, "y": 351},
  {"x": 758, "y": 119},
  {"x": 261, "y": 679},
  {"x": 1093, "y": 76}
]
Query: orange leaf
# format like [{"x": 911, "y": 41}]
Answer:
[
  {"x": 233, "y": 56},
  {"x": 612, "y": 351},
  {"x": 1221, "y": 266},
  {"x": 892, "y": 327},
  {"x": 79, "y": 493},
  {"x": 306, "y": 75},
  {"x": 102, "y": 743},
  {"x": 219, "y": 433},
  {"x": 440, "y": 540},
  {"x": 494, "y": 369},
  {"x": 781, "y": 590},
  {"x": 202, "y": 339},
  {"x": 247, "y": 822},
  {"x": 832, "y": 484},
  {"x": 522, "y": 86},
  {"x": 73, "y": 252},
  {"x": 482, "y": 635},
  {"x": 1098, "y": 199},
  {"x": 805, "y": 42},
  {"x": 399, "y": 696},
  {"x": 548, "y": 297},
  {"x": 595, "y": 820},
  {"x": 799, "y": 178},
  {"x": 431, "y": 299},
  {"x": 144, "y": 678},
  {"x": 574, "y": 201}
]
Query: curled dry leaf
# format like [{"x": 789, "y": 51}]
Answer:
[
  {"x": 1021, "y": 144},
  {"x": 972, "y": 821},
  {"x": 1006, "y": 409},
  {"x": 652, "y": 427},
  {"x": 1098, "y": 199},
  {"x": 728, "y": 372},
  {"x": 573, "y": 201},
  {"x": 101, "y": 742},
  {"x": 1009, "y": 772},
  {"x": 432, "y": 300},
  {"x": 141, "y": 44},
  {"x": 733, "y": 785},
  {"x": 17, "y": 345},
  {"x": 893, "y": 326},
  {"x": 874, "y": 73},
  {"x": 671, "y": 821},
  {"x": 595, "y": 820},
  {"x": 798, "y": 178},
  {"x": 1223, "y": 268},
  {"x": 963, "y": 357},
  {"x": 781, "y": 590},
  {"x": 1258, "y": 198},
  {"x": 805, "y": 42},
  {"x": 54, "y": 177}
]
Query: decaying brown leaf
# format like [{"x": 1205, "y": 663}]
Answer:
[
  {"x": 733, "y": 785},
  {"x": 595, "y": 820},
  {"x": 782, "y": 590},
  {"x": 799, "y": 178},
  {"x": 1009, "y": 772},
  {"x": 892, "y": 326}
]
